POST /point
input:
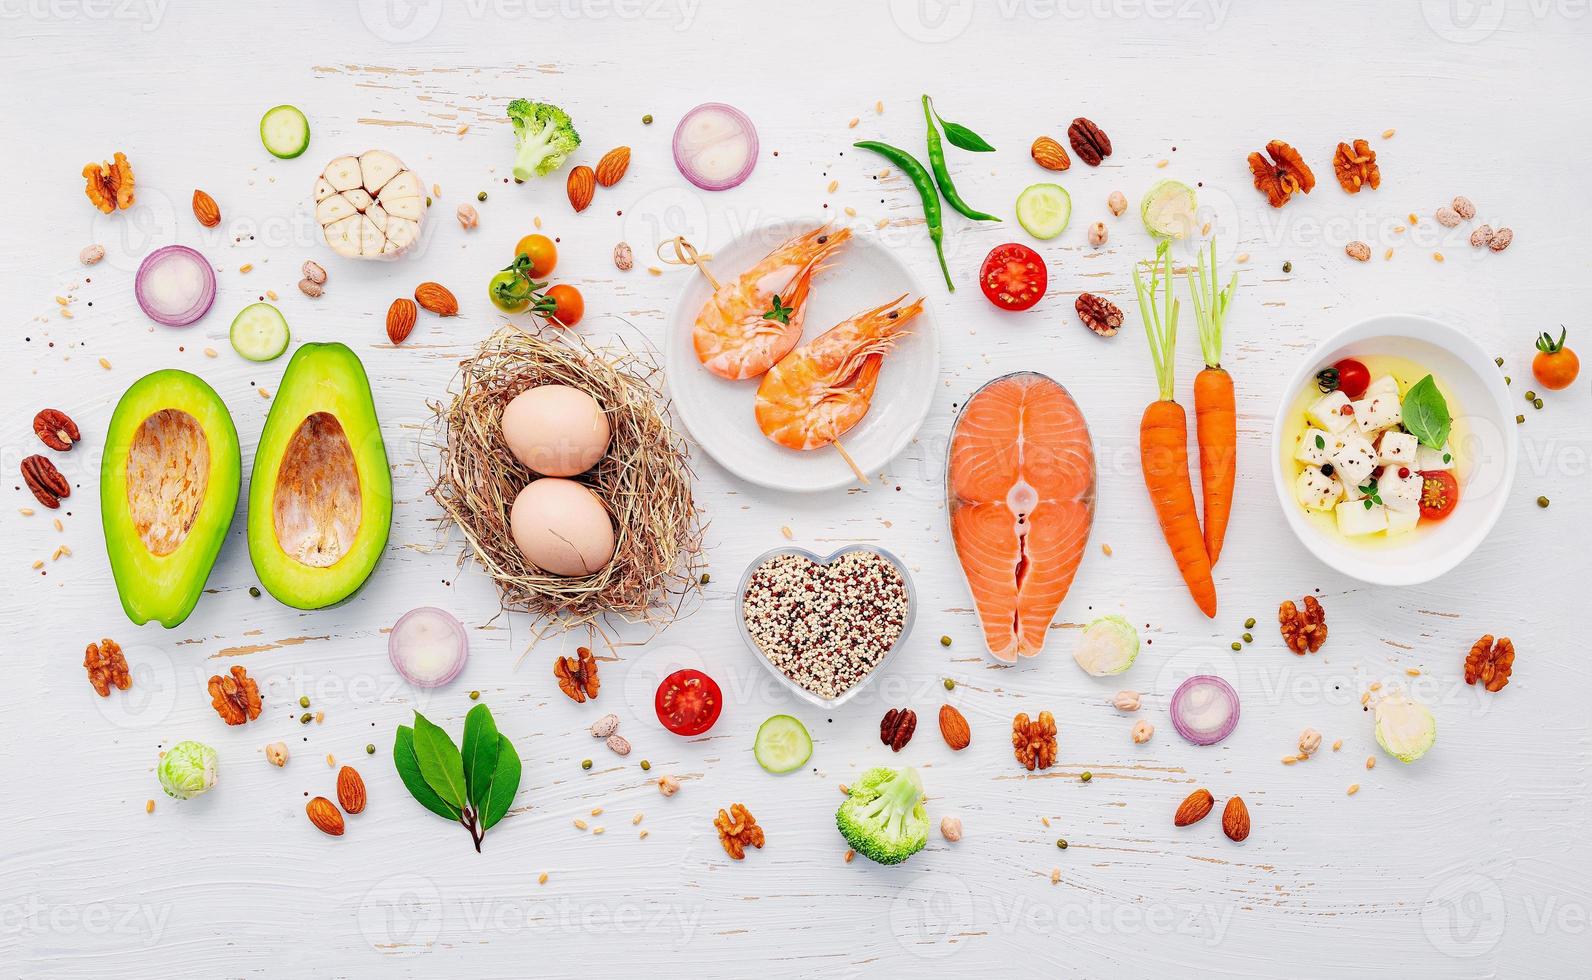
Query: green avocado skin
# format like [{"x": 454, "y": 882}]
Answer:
[
  {"x": 320, "y": 379},
  {"x": 165, "y": 588}
]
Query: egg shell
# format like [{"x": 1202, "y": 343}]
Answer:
[
  {"x": 556, "y": 430},
  {"x": 562, "y": 527}
]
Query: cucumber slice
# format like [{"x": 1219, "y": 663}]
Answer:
[
  {"x": 284, "y": 131},
  {"x": 260, "y": 333},
  {"x": 1168, "y": 210},
  {"x": 1044, "y": 210},
  {"x": 782, "y": 744}
]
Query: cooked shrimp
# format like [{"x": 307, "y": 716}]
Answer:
[
  {"x": 742, "y": 331},
  {"x": 822, "y": 389}
]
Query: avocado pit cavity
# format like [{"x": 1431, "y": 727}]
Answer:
[
  {"x": 316, "y": 507},
  {"x": 168, "y": 471}
]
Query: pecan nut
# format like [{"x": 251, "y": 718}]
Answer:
[
  {"x": 1490, "y": 663},
  {"x": 1355, "y": 167},
  {"x": 1088, "y": 141},
  {"x": 577, "y": 675},
  {"x": 236, "y": 698},
  {"x": 1099, "y": 314},
  {"x": 738, "y": 829},
  {"x": 1034, "y": 741},
  {"x": 897, "y": 726},
  {"x": 46, "y": 482},
  {"x": 106, "y": 667},
  {"x": 1303, "y": 630},
  {"x": 1282, "y": 175},
  {"x": 55, "y": 429},
  {"x": 953, "y": 725}
]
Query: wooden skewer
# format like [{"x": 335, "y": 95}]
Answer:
[{"x": 861, "y": 477}]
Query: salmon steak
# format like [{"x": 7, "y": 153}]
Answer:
[{"x": 1020, "y": 488}]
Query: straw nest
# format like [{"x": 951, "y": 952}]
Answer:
[{"x": 645, "y": 479}]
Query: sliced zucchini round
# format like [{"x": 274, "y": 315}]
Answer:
[
  {"x": 782, "y": 744},
  {"x": 284, "y": 131},
  {"x": 1044, "y": 210},
  {"x": 259, "y": 332}
]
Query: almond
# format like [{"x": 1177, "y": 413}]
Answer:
[
  {"x": 205, "y": 209},
  {"x": 1050, "y": 154},
  {"x": 435, "y": 297},
  {"x": 1235, "y": 819},
  {"x": 350, "y": 790},
  {"x": 613, "y": 166},
  {"x": 401, "y": 316},
  {"x": 582, "y": 185},
  {"x": 1194, "y": 809},
  {"x": 955, "y": 728},
  {"x": 324, "y": 816}
]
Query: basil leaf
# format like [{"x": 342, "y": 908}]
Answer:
[
  {"x": 480, "y": 753},
  {"x": 962, "y": 137},
  {"x": 1321, "y": 442},
  {"x": 505, "y": 783},
  {"x": 440, "y": 762},
  {"x": 403, "y": 758},
  {"x": 1426, "y": 413}
]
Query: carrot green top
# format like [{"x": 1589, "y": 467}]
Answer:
[
  {"x": 1160, "y": 321},
  {"x": 1210, "y": 305}
]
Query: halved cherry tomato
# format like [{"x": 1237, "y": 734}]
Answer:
[
  {"x": 1013, "y": 276},
  {"x": 688, "y": 702},
  {"x": 1439, "y": 494},
  {"x": 542, "y": 253},
  {"x": 1353, "y": 377},
  {"x": 570, "y": 306}
]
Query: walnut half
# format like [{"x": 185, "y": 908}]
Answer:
[
  {"x": 737, "y": 829},
  {"x": 1303, "y": 630},
  {"x": 106, "y": 667},
  {"x": 1490, "y": 663},
  {"x": 1034, "y": 741},
  {"x": 236, "y": 698}
]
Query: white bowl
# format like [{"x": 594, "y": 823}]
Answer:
[
  {"x": 1487, "y": 449},
  {"x": 817, "y": 701},
  {"x": 719, "y": 413}
]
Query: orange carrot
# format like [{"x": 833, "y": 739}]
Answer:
[
  {"x": 1163, "y": 440},
  {"x": 1215, "y": 417}
]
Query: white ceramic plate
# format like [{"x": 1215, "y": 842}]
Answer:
[
  {"x": 1488, "y": 450},
  {"x": 718, "y": 413},
  {"x": 818, "y": 701}
]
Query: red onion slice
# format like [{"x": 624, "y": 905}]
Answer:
[
  {"x": 175, "y": 285},
  {"x": 715, "y": 146},
  {"x": 1205, "y": 709},
  {"x": 428, "y": 647}
]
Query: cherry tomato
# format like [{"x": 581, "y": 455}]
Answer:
[
  {"x": 1013, "y": 276},
  {"x": 542, "y": 253},
  {"x": 570, "y": 306},
  {"x": 1439, "y": 494},
  {"x": 1353, "y": 377},
  {"x": 688, "y": 702},
  {"x": 509, "y": 291},
  {"x": 1555, "y": 365}
]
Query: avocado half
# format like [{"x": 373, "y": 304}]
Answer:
[
  {"x": 320, "y": 497},
  {"x": 168, "y": 487}
]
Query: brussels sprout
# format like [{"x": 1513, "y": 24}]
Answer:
[
  {"x": 1404, "y": 728},
  {"x": 187, "y": 770},
  {"x": 1107, "y": 646},
  {"x": 1168, "y": 210}
]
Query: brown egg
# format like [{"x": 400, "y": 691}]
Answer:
[
  {"x": 562, "y": 527},
  {"x": 556, "y": 430}
]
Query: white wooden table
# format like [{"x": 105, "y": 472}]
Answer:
[{"x": 1473, "y": 862}]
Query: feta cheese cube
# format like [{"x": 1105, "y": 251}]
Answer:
[
  {"x": 1316, "y": 490},
  {"x": 1385, "y": 385},
  {"x": 1400, "y": 493},
  {"x": 1397, "y": 449},
  {"x": 1377, "y": 411},
  {"x": 1354, "y": 460},
  {"x": 1399, "y": 521},
  {"x": 1351, "y": 491},
  {"x": 1435, "y": 459},
  {"x": 1327, "y": 412},
  {"x": 1316, "y": 446},
  {"x": 1355, "y": 518}
]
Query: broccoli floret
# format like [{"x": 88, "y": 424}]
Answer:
[
  {"x": 544, "y": 138},
  {"x": 883, "y": 817}
]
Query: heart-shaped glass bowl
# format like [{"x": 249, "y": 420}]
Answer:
[{"x": 812, "y": 698}]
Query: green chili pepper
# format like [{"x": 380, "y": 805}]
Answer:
[
  {"x": 942, "y": 176},
  {"x": 925, "y": 184}
]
